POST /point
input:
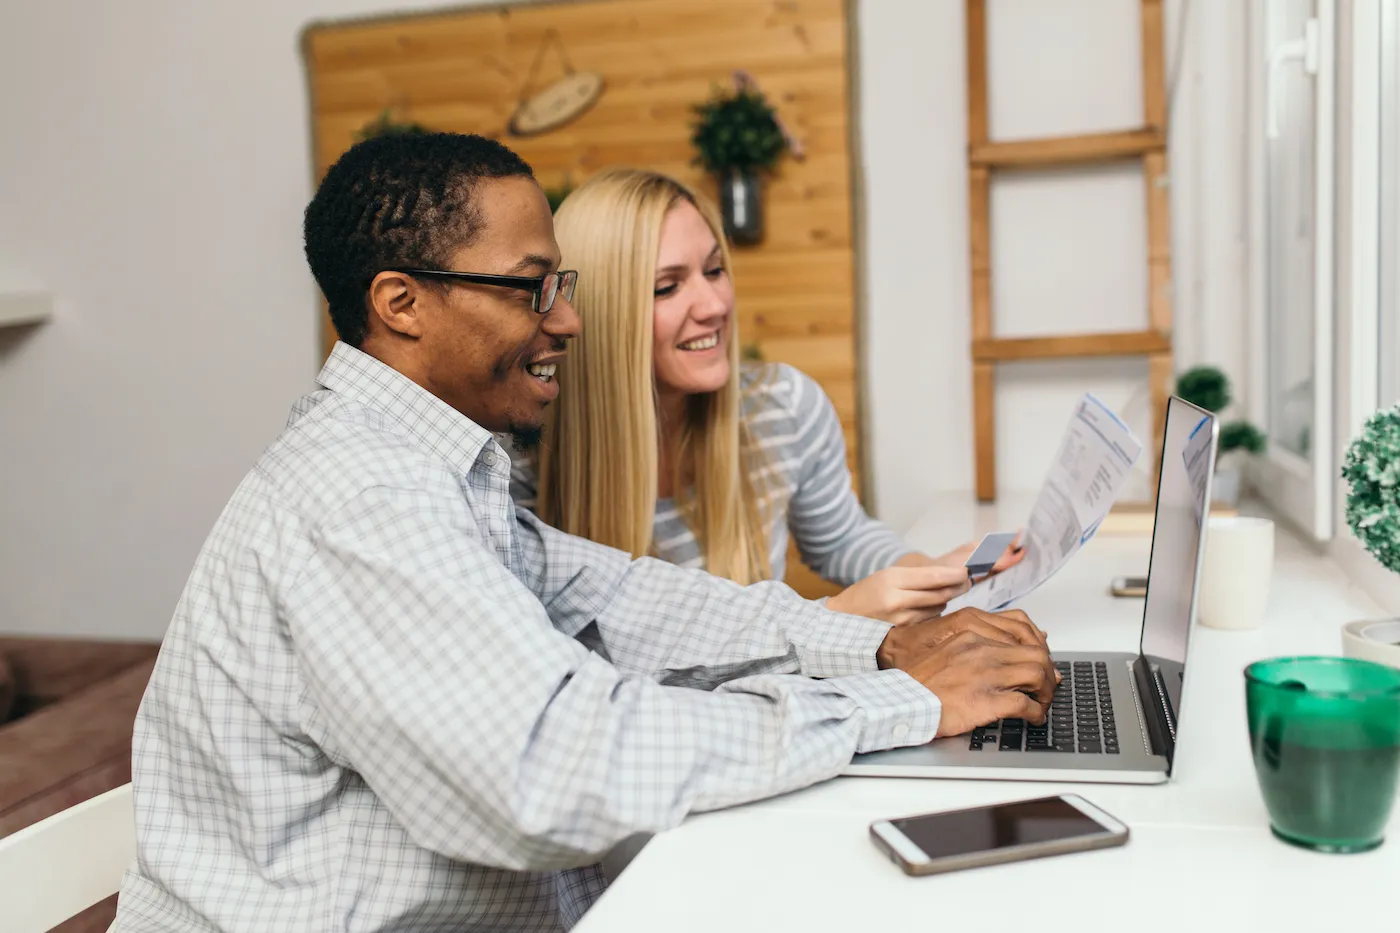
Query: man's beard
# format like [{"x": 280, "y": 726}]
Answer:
[{"x": 525, "y": 436}]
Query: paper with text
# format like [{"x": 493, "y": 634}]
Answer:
[{"x": 1095, "y": 459}]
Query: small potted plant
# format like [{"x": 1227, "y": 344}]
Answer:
[
  {"x": 1372, "y": 471},
  {"x": 1209, "y": 388},
  {"x": 737, "y": 137}
]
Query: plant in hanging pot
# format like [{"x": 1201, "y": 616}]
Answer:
[
  {"x": 738, "y": 137},
  {"x": 1209, "y": 388}
]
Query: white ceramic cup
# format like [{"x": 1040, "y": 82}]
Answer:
[
  {"x": 1238, "y": 567},
  {"x": 1372, "y": 640}
]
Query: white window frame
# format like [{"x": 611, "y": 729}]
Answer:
[
  {"x": 1384, "y": 86},
  {"x": 1359, "y": 323},
  {"x": 1370, "y": 285},
  {"x": 1300, "y": 489}
]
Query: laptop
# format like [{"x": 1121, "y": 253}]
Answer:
[{"x": 1116, "y": 717}]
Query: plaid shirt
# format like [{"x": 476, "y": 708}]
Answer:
[{"x": 387, "y": 701}]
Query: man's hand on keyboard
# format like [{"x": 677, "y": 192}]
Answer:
[
  {"x": 982, "y": 666},
  {"x": 1012, "y": 627}
]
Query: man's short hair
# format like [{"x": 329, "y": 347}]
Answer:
[{"x": 396, "y": 200}]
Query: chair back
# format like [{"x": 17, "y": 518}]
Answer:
[{"x": 61, "y": 866}]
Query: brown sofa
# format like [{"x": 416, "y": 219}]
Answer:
[{"x": 68, "y": 733}]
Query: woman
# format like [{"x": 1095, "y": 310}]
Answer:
[{"x": 662, "y": 444}]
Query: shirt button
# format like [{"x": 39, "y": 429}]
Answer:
[
  {"x": 901, "y": 730},
  {"x": 488, "y": 458}
]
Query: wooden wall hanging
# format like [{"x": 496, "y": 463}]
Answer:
[{"x": 563, "y": 100}]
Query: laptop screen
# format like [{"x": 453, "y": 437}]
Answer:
[{"x": 1188, "y": 459}]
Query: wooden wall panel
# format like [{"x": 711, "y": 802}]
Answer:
[{"x": 463, "y": 70}]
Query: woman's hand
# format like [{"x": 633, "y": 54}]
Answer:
[
  {"x": 901, "y": 595},
  {"x": 959, "y": 555}
]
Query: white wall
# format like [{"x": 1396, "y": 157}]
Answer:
[
  {"x": 154, "y": 163},
  {"x": 1068, "y": 247},
  {"x": 153, "y": 168}
]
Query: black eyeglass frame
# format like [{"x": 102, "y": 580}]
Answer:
[{"x": 566, "y": 281}]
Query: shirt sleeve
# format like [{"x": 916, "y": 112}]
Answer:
[
  {"x": 686, "y": 627},
  {"x": 495, "y": 739},
  {"x": 834, "y": 535}
]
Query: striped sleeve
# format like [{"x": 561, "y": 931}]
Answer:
[{"x": 834, "y": 535}]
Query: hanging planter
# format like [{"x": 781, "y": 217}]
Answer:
[
  {"x": 738, "y": 137},
  {"x": 741, "y": 206}
]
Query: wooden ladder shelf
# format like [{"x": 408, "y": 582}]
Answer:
[{"x": 984, "y": 157}]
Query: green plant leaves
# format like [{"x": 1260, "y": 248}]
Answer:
[
  {"x": 736, "y": 131},
  {"x": 1205, "y": 386},
  {"x": 1241, "y": 435},
  {"x": 556, "y": 194},
  {"x": 1372, "y": 470},
  {"x": 386, "y": 124}
]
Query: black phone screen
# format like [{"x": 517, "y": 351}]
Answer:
[{"x": 1010, "y": 824}]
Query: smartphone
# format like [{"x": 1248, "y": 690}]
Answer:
[
  {"x": 988, "y": 552},
  {"x": 1007, "y": 832},
  {"x": 1129, "y": 586}
]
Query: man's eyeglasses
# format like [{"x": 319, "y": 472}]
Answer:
[{"x": 543, "y": 289}]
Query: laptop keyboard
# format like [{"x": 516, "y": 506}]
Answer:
[{"x": 1081, "y": 718}]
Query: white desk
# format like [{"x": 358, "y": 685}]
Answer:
[{"x": 1201, "y": 857}]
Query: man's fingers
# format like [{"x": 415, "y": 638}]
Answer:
[
  {"x": 1013, "y": 704},
  {"x": 1005, "y": 662},
  {"x": 1035, "y": 675},
  {"x": 1024, "y": 668},
  {"x": 991, "y": 632},
  {"x": 1024, "y": 675},
  {"x": 1020, "y": 615},
  {"x": 1017, "y": 624},
  {"x": 1046, "y": 694}
]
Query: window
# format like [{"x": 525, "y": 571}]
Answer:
[
  {"x": 1368, "y": 250},
  {"x": 1388, "y": 113},
  {"x": 1292, "y": 313}
]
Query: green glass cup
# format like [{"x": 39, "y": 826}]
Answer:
[{"x": 1325, "y": 733}]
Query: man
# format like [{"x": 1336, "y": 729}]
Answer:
[{"x": 387, "y": 702}]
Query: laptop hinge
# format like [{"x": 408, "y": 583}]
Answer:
[{"x": 1157, "y": 712}]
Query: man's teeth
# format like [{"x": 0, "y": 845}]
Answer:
[
  {"x": 701, "y": 343},
  {"x": 544, "y": 371}
]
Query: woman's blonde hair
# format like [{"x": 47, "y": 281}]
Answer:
[{"x": 597, "y": 462}]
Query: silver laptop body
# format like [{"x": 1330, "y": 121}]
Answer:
[{"x": 1116, "y": 716}]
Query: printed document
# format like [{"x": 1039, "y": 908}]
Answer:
[{"x": 1095, "y": 458}]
